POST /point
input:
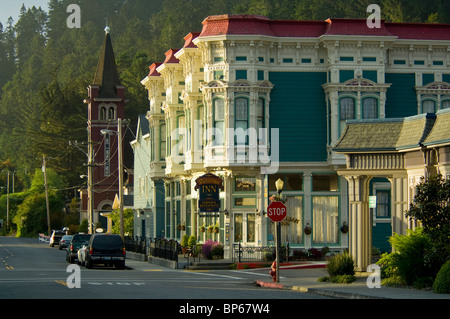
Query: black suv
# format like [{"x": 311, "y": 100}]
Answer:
[{"x": 106, "y": 249}]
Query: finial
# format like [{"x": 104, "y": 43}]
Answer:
[{"x": 107, "y": 29}]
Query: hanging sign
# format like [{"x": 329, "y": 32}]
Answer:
[{"x": 209, "y": 187}]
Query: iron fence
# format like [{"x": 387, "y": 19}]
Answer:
[
  {"x": 262, "y": 253},
  {"x": 137, "y": 245},
  {"x": 166, "y": 249}
]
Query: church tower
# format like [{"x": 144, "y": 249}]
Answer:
[{"x": 106, "y": 108}]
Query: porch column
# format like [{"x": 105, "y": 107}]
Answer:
[
  {"x": 360, "y": 229},
  {"x": 399, "y": 195}
]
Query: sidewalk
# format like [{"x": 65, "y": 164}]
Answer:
[{"x": 304, "y": 278}]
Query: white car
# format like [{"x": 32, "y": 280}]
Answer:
[{"x": 82, "y": 255}]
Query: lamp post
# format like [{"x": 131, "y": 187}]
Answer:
[
  {"x": 279, "y": 185},
  {"x": 119, "y": 138}
]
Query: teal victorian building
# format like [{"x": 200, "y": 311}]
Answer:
[{"x": 254, "y": 100}]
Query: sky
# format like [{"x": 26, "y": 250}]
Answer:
[{"x": 11, "y": 8}]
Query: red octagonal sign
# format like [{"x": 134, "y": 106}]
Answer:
[{"x": 276, "y": 211}]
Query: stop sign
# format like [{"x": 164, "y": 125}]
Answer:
[{"x": 276, "y": 211}]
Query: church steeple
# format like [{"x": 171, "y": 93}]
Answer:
[{"x": 107, "y": 77}]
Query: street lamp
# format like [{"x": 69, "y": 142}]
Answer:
[
  {"x": 279, "y": 185},
  {"x": 119, "y": 138}
]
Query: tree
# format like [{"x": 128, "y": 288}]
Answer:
[
  {"x": 431, "y": 206},
  {"x": 128, "y": 222}
]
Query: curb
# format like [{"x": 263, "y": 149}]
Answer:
[{"x": 317, "y": 291}]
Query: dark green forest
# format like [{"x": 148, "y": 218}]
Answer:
[{"x": 45, "y": 67}]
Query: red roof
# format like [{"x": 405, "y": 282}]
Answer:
[
  {"x": 259, "y": 25},
  {"x": 153, "y": 71},
  {"x": 170, "y": 56},
  {"x": 189, "y": 38},
  {"x": 354, "y": 27},
  {"x": 420, "y": 31}
]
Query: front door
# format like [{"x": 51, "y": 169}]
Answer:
[{"x": 245, "y": 228}]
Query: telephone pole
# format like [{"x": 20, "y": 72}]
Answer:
[{"x": 44, "y": 169}]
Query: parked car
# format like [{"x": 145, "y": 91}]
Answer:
[
  {"x": 81, "y": 254},
  {"x": 78, "y": 241},
  {"x": 106, "y": 249},
  {"x": 56, "y": 237},
  {"x": 65, "y": 241}
]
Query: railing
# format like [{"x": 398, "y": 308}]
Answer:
[
  {"x": 193, "y": 253},
  {"x": 249, "y": 254},
  {"x": 137, "y": 245},
  {"x": 166, "y": 249}
]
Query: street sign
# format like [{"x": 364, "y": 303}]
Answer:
[
  {"x": 276, "y": 211},
  {"x": 372, "y": 202}
]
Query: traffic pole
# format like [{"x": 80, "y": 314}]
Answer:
[{"x": 278, "y": 250}]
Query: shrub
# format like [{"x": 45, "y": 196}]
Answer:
[
  {"x": 206, "y": 248},
  {"x": 315, "y": 253},
  {"x": 343, "y": 279},
  {"x": 442, "y": 282},
  {"x": 184, "y": 241},
  {"x": 409, "y": 255},
  {"x": 394, "y": 281},
  {"x": 192, "y": 241},
  {"x": 217, "y": 249},
  {"x": 341, "y": 264},
  {"x": 388, "y": 266}
]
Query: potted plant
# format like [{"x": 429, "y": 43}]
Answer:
[
  {"x": 184, "y": 243},
  {"x": 217, "y": 251},
  {"x": 211, "y": 228},
  {"x": 344, "y": 228},
  {"x": 307, "y": 229},
  {"x": 216, "y": 228},
  {"x": 202, "y": 228}
]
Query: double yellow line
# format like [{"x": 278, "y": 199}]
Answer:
[{"x": 61, "y": 282}]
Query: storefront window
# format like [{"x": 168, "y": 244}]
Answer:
[
  {"x": 325, "y": 183},
  {"x": 325, "y": 219},
  {"x": 292, "y": 181},
  {"x": 245, "y": 184}
]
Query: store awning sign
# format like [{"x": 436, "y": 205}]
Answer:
[{"x": 209, "y": 187}]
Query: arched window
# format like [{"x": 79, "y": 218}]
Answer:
[
  {"x": 346, "y": 111},
  {"x": 162, "y": 138},
  {"x": 219, "y": 121},
  {"x": 102, "y": 115},
  {"x": 241, "y": 119},
  {"x": 370, "y": 108},
  {"x": 181, "y": 134},
  {"x": 111, "y": 113},
  {"x": 260, "y": 120}
]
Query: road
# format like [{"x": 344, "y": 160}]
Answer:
[{"x": 30, "y": 269}]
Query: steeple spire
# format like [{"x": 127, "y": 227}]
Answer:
[{"x": 107, "y": 76}]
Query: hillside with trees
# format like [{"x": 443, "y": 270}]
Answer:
[{"x": 45, "y": 67}]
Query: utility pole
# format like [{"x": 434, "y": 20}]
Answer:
[
  {"x": 90, "y": 183},
  {"x": 119, "y": 138},
  {"x": 7, "y": 204},
  {"x": 44, "y": 169}
]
